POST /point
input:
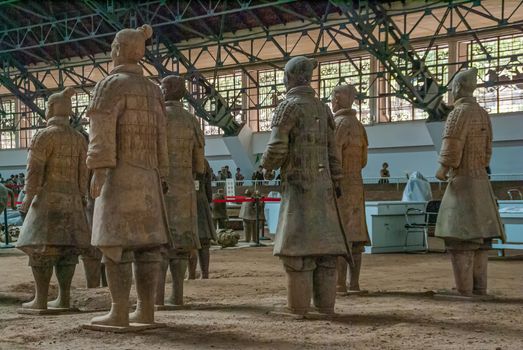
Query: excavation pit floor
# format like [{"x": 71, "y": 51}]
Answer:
[{"x": 235, "y": 309}]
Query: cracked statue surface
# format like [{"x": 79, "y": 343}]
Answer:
[
  {"x": 468, "y": 217},
  {"x": 55, "y": 229},
  {"x": 127, "y": 149},
  {"x": 309, "y": 236}
]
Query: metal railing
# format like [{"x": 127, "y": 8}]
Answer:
[{"x": 397, "y": 180}]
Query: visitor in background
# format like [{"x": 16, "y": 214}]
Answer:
[
  {"x": 239, "y": 177},
  {"x": 228, "y": 172},
  {"x": 258, "y": 175},
  {"x": 213, "y": 176},
  {"x": 384, "y": 174}
]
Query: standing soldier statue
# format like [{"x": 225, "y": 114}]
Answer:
[
  {"x": 55, "y": 229},
  {"x": 128, "y": 156},
  {"x": 351, "y": 141},
  {"x": 206, "y": 230},
  {"x": 248, "y": 215},
  {"x": 309, "y": 237},
  {"x": 185, "y": 145},
  {"x": 468, "y": 218},
  {"x": 219, "y": 210}
]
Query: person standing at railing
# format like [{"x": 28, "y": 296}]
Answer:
[
  {"x": 239, "y": 177},
  {"x": 384, "y": 174}
]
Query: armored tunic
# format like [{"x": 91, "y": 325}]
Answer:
[
  {"x": 185, "y": 144},
  {"x": 127, "y": 120},
  {"x": 302, "y": 143},
  {"x": 57, "y": 178},
  {"x": 206, "y": 229},
  {"x": 351, "y": 141},
  {"x": 468, "y": 209}
]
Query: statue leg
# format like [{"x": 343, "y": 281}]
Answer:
[
  {"x": 253, "y": 230},
  {"x": 93, "y": 270},
  {"x": 193, "y": 263},
  {"x": 299, "y": 283},
  {"x": 178, "y": 266},
  {"x": 119, "y": 279},
  {"x": 480, "y": 272},
  {"x": 247, "y": 230},
  {"x": 64, "y": 274},
  {"x": 160, "y": 287},
  {"x": 354, "y": 284},
  {"x": 324, "y": 284},
  {"x": 42, "y": 268},
  {"x": 204, "y": 257},
  {"x": 147, "y": 267},
  {"x": 463, "y": 266},
  {"x": 341, "y": 265}
]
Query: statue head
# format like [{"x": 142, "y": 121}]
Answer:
[
  {"x": 343, "y": 97},
  {"x": 298, "y": 71},
  {"x": 464, "y": 83},
  {"x": 173, "y": 88},
  {"x": 128, "y": 46},
  {"x": 59, "y": 104}
]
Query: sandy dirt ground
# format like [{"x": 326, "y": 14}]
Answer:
[{"x": 233, "y": 309}]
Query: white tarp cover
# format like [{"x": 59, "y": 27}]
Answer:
[{"x": 417, "y": 189}]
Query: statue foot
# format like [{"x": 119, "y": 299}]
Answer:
[
  {"x": 341, "y": 289},
  {"x": 115, "y": 318},
  {"x": 174, "y": 301},
  {"x": 35, "y": 304},
  {"x": 140, "y": 316},
  {"x": 59, "y": 303}
]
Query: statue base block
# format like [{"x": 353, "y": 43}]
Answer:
[
  {"x": 454, "y": 296},
  {"x": 131, "y": 328},
  {"x": 48, "y": 311},
  {"x": 312, "y": 315},
  {"x": 171, "y": 307}
]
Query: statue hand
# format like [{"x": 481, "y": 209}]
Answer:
[
  {"x": 26, "y": 204},
  {"x": 97, "y": 182},
  {"x": 268, "y": 174},
  {"x": 442, "y": 172}
]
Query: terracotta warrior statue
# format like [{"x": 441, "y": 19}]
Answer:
[
  {"x": 309, "y": 237},
  {"x": 468, "y": 218},
  {"x": 351, "y": 141},
  {"x": 219, "y": 210},
  {"x": 185, "y": 145},
  {"x": 248, "y": 215},
  {"x": 128, "y": 156},
  {"x": 206, "y": 229},
  {"x": 55, "y": 228},
  {"x": 91, "y": 257}
]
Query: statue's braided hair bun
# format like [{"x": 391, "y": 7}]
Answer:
[
  {"x": 69, "y": 92},
  {"x": 147, "y": 31}
]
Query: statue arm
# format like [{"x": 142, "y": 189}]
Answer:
[
  {"x": 277, "y": 149},
  {"x": 198, "y": 155},
  {"x": 454, "y": 137},
  {"x": 163, "y": 155},
  {"x": 364, "y": 148},
  {"x": 39, "y": 150},
  {"x": 83, "y": 173},
  {"x": 208, "y": 183},
  {"x": 490, "y": 137},
  {"x": 101, "y": 152},
  {"x": 334, "y": 155}
]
